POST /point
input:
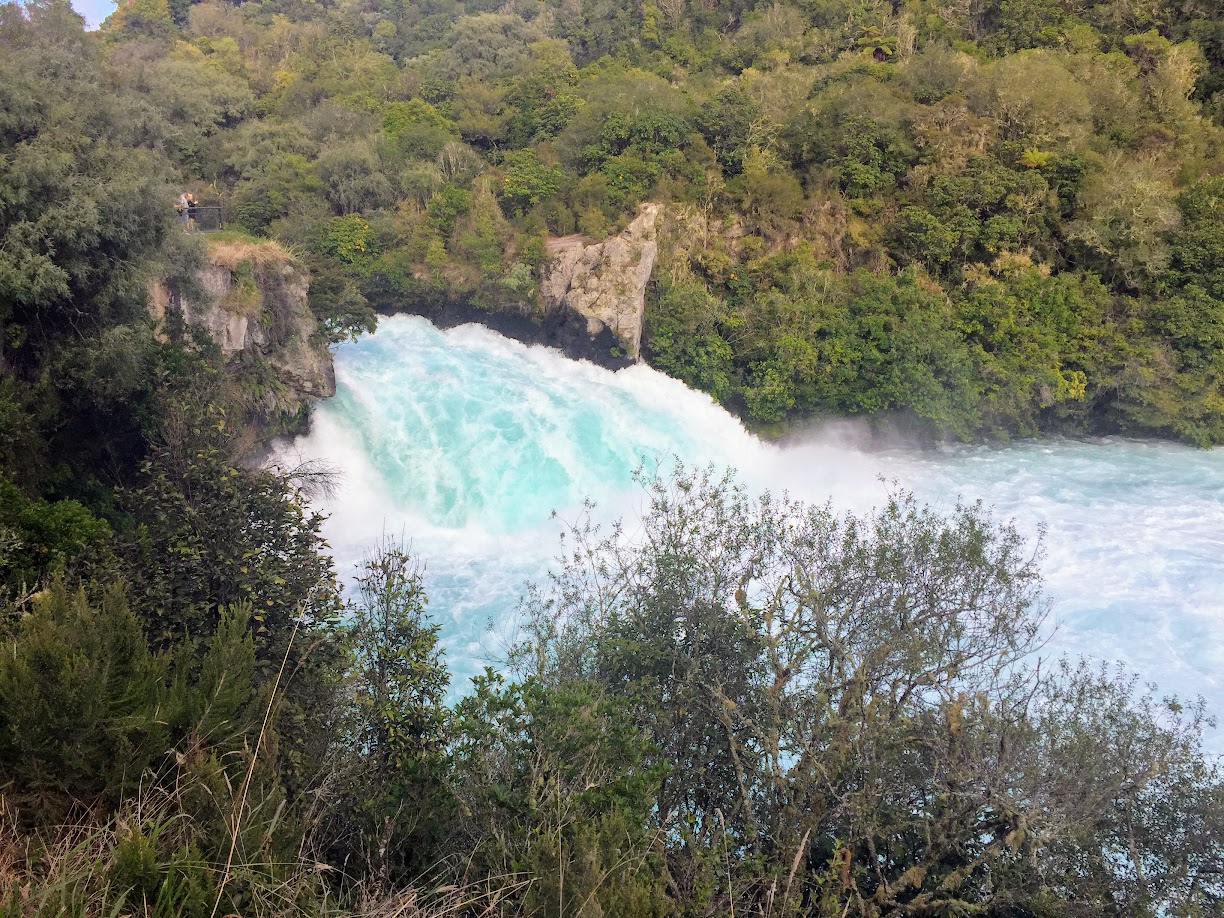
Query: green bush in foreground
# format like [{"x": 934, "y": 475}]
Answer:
[{"x": 736, "y": 703}]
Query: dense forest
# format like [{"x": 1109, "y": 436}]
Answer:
[
  {"x": 975, "y": 218},
  {"x": 978, "y": 218}
]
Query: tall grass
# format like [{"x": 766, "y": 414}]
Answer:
[{"x": 144, "y": 862}]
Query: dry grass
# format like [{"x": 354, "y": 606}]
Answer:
[
  {"x": 257, "y": 268},
  {"x": 65, "y": 870},
  {"x": 70, "y": 872},
  {"x": 476, "y": 900},
  {"x": 230, "y": 253}
]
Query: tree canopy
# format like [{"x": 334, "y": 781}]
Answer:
[{"x": 990, "y": 218}]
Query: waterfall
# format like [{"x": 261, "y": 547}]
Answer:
[{"x": 466, "y": 443}]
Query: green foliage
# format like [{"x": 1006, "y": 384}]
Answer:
[
  {"x": 819, "y": 344},
  {"x": 1128, "y": 213},
  {"x": 820, "y": 688},
  {"x": 963, "y": 146},
  {"x": 198, "y": 99},
  {"x": 726, "y": 123},
  {"x": 80, "y": 697},
  {"x": 446, "y": 207},
  {"x": 999, "y": 220},
  {"x": 402, "y": 678},
  {"x": 773, "y": 202},
  {"x": 338, "y": 304},
  {"x": 353, "y": 179},
  {"x": 222, "y": 535},
  {"x": 346, "y": 238},
  {"x": 1197, "y": 247},
  {"x": 554, "y": 784},
  {"x": 74, "y": 191},
  {"x": 1036, "y": 340},
  {"x": 41, "y": 538},
  {"x": 400, "y": 117},
  {"x": 282, "y": 187},
  {"x": 527, "y": 181},
  {"x": 150, "y": 19},
  {"x": 858, "y": 132},
  {"x": 399, "y": 719},
  {"x": 1019, "y": 24},
  {"x": 684, "y": 339}
]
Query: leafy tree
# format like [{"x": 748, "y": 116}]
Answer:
[
  {"x": 921, "y": 236},
  {"x": 683, "y": 338},
  {"x": 859, "y": 132},
  {"x": 1197, "y": 247},
  {"x": 338, "y": 304},
  {"x": 222, "y": 535},
  {"x": 41, "y": 538},
  {"x": 1037, "y": 340},
  {"x": 144, "y": 19},
  {"x": 527, "y": 181},
  {"x": 1036, "y": 99},
  {"x": 485, "y": 45},
  {"x": 845, "y": 703},
  {"x": 544, "y": 94},
  {"x": 197, "y": 98},
  {"x": 773, "y": 202},
  {"x": 346, "y": 239},
  {"x": 416, "y": 129},
  {"x": 874, "y": 345},
  {"x": 553, "y": 783},
  {"x": 726, "y": 123},
  {"x": 446, "y": 207},
  {"x": 1128, "y": 210},
  {"x": 1019, "y": 24},
  {"x": 353, "y": 179},
  {"x": 399, "y": 717},
  {"x": 285, "y": 186}
]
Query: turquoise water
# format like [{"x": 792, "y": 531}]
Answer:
[{"x": 465, "y": 442}]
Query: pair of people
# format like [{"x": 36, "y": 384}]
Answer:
[{"x": 186, "y": 208}]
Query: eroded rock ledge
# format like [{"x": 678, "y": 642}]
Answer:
[
  {"x": 605, "y": 282},
  {"x": 251, "y": 301},
  {"x": 592, "y": 297}
]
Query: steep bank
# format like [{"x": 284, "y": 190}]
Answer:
[
  {"x": 605, "y": 282},
  {"x": 250, "y": 301},
  {"x": 591, "y": 297}
]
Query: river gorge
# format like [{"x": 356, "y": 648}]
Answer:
[{"x": 465, "y": 442}]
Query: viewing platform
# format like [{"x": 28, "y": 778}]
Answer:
[{"x": 202, "y": 218}]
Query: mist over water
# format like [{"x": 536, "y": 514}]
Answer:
[{"x": 465, "y": 442}]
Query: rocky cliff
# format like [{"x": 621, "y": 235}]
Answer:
[
  {"x": 250, "y": 299},
  {"x": 605, "y": 282},
  {"x": 590, "y": 302}
]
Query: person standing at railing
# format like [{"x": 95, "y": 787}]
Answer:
[{"x": 186, "y": 208}]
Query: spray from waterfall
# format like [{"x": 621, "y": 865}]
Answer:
[{"x": 467, "y": 442}]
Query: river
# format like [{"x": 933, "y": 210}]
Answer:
[{"x": 465, "y": 442}]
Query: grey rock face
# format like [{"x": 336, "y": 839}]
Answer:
[
  {"x": 259, "y": 315},
  {"x": 605, "y": 282}
]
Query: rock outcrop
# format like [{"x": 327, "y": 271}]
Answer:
[
  {"x": 605, "y": 282},
  {"x": 251, "y": 301},
  {"x": 590, "y": 303}
]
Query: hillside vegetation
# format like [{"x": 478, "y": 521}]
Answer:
[
  {"x": 972, "y": 218},
  {"x": 976, "y": 218}
]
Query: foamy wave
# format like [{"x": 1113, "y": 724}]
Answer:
[{"x": 464, "y": 442}]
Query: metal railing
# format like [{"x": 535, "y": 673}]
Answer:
[{"x": 203, "y": 218}]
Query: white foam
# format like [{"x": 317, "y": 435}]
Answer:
[{"x": 463, "y": 441}]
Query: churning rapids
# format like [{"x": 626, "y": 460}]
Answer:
[{"x": 464, "y": 442}]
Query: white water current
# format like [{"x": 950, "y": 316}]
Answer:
[{"x": 464, "y": 442}]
